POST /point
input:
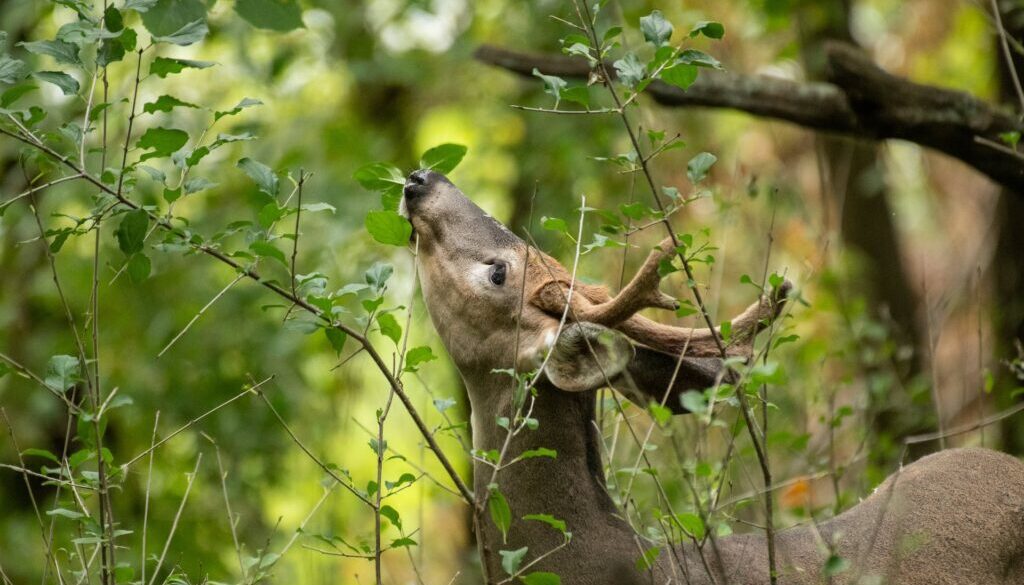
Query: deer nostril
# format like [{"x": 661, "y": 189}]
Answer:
[
  {"x": 419, "y": 177},
  {"x": 417, "y": 183}
]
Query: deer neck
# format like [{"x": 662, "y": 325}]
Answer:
[
  {"x": 565, "y": 426},
  {"x": 569, "y": 486}
]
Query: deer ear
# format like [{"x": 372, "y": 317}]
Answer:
[{"x": 586, "y": 356}]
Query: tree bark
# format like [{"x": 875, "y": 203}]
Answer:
[
  {"x": 1007, "y": 269},
  {"x": 859, "y": 100}
]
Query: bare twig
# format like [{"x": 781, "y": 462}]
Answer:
[
  {"x": 149, "y": 483},
  {"x": 251, "y": 390},
  {"x": 177, "y": 517}
]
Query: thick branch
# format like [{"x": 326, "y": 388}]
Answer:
[{"x": 861, "y": 100}]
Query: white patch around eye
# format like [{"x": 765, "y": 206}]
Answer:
[{"x": 549, "y": 339}]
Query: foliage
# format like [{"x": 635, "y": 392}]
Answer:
[{"x": 251, "y": 286}]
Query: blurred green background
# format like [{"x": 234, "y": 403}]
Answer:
[{"x": 911, "y": 264}]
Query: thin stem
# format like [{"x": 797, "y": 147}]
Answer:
[
  {"x": 39, "y": 188},
  {"x": 177, "y": 517},
  {"x": 309, "y": 453},
  {"x": 149, "y": 483},
  {"x": 1007, "y": 55},
  {"x": 253, "y": 389}
]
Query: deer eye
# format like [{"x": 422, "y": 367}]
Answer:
[{"x": 497, "y": 274}]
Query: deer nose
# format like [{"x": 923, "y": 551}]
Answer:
[{"x": 418, "y": 183}]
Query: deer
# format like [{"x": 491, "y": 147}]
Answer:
[{"x": 952, "y": 517}]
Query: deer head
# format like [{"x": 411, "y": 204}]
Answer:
[{"x": 498, "y": 303}]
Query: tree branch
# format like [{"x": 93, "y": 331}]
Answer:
[{"x": 860, "y": 100}]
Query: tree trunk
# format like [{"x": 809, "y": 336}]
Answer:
[{"x": 1007, "y": 269}]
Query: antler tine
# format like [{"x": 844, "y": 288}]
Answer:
[
  {"x": 594, "y": 305},
  {"x": 701, "y": 341}
]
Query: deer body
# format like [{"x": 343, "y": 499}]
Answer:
[{"x": 953, "y": 517}]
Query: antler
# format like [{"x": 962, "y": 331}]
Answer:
[{"x": 593, "y": 304}]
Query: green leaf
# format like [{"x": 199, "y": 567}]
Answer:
[
  {"x": 263, "y": 175},
  {"x": 698, "y": 58},
  {"x": 555, "y": 224},
  {"x": 630, "y": 70},
  {"x": 541, "y": 578},
  {"x": 196, "y": 184},
  {"x": 40, "y": 453},
  {"x": 63, "y": 52},
  {"x": 697, "y": 168},
  {"x": 172, "y": 195},
  {"x": 553, "y": 85},
  {"x": 337, "y": 338},
  {"x": 379, "y": 176},
  {"x": 11, "y": 70},
  {"x": 708, "y": 28},
  {"x": 661, "y": 414},
  {"x": 548, "y": 519},
  {"x": 539, "y": 452},
  {"x": 161, "y": 142},
  {"x": 166, "y": 17},
  {"x": 123, "y": 573},
  {"x": 192, "y": 32},
  {"x": 72, "y": 514},
  {"x": 443, "y": 158},
  {"x": 402, "y": 542},
  {"x": 512, "y": 559},
  {"x": 265, "y": 249},
  {"x": 1010, "y": 138},
  {"x": 164, "y": 66},
  {"x": 578, "y": 94},
  {"x": 694, "y": 401},
  {"x": 279, "y": 15},
  {"x": 15, "y": 93},
  {"x": 656, "y": 29},
  {"x": 317, "y": 207},
  {"x": 443, "y": 404},
  {"x": 404, "y": 479},
  {"x": 389, "y": 326},
  {"x": 62, "y": 372},
  {"x": 113, "y": 50},
  {"x": 139, "y": 5},
  {"x": 377, "y": 275},
  {"x": 245, "y": 103},
  {"x": 131, "y": 233},
  {"x": 835, "y": 565},
  {"x": 634, "y": 211},
  {"x": 501, "y": 514},
  {"x": 67, "y": 84},
  {"x": 611, "y": 33},
  {"x": 166, "y": 103},
  {"x": 680, "y": 75},
  {"x": 392, "y": 515},
  {"x": 646, "y": 560},
  {"x": 692, "y": 524},
  {"x": 270, "y": 213},
  {"x": 416, "y": 356},
  {"x": 138, "y": 267},
  {"x": 83, "y": 32},
  {"x": 388, "y": 227},
  {"x": 268, "y": 560}
]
